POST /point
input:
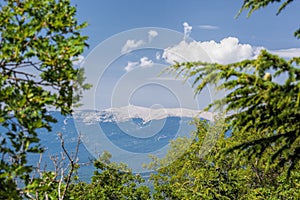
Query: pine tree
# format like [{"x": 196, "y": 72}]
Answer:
[{"x": 262, "y": 114}]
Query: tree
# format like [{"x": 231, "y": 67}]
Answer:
[
  {"x": 39, "y": 41},
  {"x": 257, "y": 153},
  {"x": 111, "y": 181},
  {"x": 253, "y": 5},
  {"x": 194, "y": 175},
  {"x": 263, "y": 114}
]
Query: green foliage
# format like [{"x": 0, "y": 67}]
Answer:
[
  {"x": 262, "y": 114},
  {"x": 44, "y": 187},
  {"x": 38, "y": 41},
  {"x": 261, "y": 156},
  {"x": 110, "y": 181},
  {"x": 195, "y": 175},
  {"x": 253, "y": 5}
]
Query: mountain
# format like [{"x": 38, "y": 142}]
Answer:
[
  {"x": 126, "y": 113},
  {"x": 129, "y": 133}
]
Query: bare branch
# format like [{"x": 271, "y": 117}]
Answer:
[{"x": 73, "y": 161}]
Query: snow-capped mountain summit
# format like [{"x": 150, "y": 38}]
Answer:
[{"x": 126, "y": 113}]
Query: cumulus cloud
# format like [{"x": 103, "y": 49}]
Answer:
[
  {"x": 131, "y": 44},
  {"x": 143, "y": 62},
  {"x": 130, "y": 66},
  {"x": 229, "y": 50},
  {"x": 157, "y": 56},
  {"x": 208, "y": 27},
  {"x": 187, "y": 29},
  {"x": 152, "y": 34},
  {"x": 287, "y": 53},
  {"x": 226, "y": 51},
  {"x": 184, "y": 51}
]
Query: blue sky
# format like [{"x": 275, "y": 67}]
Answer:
[
  {"x": 132, "y": 41},
  {"x": 210, "y": 21},
  {"x": 263, "y": 28}
]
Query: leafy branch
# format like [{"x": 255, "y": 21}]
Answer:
[{"x": 261, "y": 112}]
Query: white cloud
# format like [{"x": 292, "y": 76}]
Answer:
[
  {"x": 229, "y": 50},
  {"x": 152, "y": 34},
  {"x": 208, "y": 27},
  {"x": 157, "y": 56},
  {"x": 226, "y": 51},
  {"x": 143, "y": 62},
  {"x": 131, "y": 44},
  {"x": 187, "y": 29},
  {"x": 287, "y": 53},
  {"x": 130, "y": 66},
  {"x": 184, "y": 51}
]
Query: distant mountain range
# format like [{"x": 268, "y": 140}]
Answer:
[{"x": 126, "y": 113}]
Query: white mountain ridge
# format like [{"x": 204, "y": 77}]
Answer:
[{"x": 126, "y": 113}]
